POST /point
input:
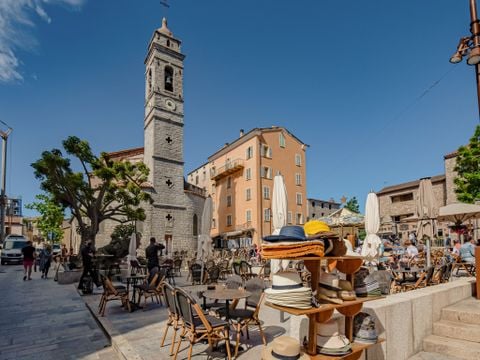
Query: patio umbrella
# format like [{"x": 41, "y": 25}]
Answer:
[
  {"x": 279, "y": 214},
  {"x": 426, "y": 213},
  {"x": 132, "y": 251},
  {"x": 458, "y": 213},
  {"x": 204, "y": 239},
  {"x": 372, "y": 225}
]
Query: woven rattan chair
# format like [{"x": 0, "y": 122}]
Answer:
[
  {"x": 173, "y": 320},
  {"x": 110, "y": 293},
  {"x": 197, "y": 326}
]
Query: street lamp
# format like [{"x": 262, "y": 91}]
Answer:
[
  {"x": 3, "y": 198},
  {"x": 469, "y": 46}
]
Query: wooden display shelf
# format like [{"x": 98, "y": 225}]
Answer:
[
  {"x": 357, "y": 349},
  {"x": 323, "y": 307}
]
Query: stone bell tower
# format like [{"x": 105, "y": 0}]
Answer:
[{"x": 163, "y": 131}]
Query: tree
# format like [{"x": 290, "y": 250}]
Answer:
[
  {"x": 118, "y": 246},
  {"x": 51, "y": 217},
  {"x": 467, "y": 183},
  {"x": 352, "y": 205},
  {"x": 104, "y": 189}
]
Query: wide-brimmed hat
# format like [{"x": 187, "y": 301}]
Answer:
[
  {"x": 315, "y": 229},
  {"x": 330, "y": 341},
  {"x": 364, "y": 329},
  {"x": 285, "y": 282},
  {"x": 284, "y": 347},
  {"x": 329, "y": 281},
  {"x": 288, "y": 233}
]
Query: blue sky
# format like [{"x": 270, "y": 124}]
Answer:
[{"x": 344, "y": 76}]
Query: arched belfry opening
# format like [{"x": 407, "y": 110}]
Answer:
[{"x": 169, "y": 78}]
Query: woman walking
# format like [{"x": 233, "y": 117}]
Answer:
[{"x": 45, "y": 260}]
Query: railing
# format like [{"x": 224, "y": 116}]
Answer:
[{"x": 229, "y": 168}]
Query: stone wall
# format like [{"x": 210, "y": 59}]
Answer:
[{"x": 450, "y": 175}]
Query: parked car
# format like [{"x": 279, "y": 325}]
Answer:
[
  {"x": 56, "y": 250},
  {"x": 12, "y": 249}
]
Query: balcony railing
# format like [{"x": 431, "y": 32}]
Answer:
[{"x": 230, "y": 167}]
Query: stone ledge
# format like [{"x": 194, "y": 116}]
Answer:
[{"x": 69, "y": 277}]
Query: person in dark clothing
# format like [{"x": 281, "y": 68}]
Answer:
[
  {"x": 151, "y": 253},
  {"x": 45, "y": 261},
  {"x": 28, "y": 259},
  {"x": 88, "y": 269}
]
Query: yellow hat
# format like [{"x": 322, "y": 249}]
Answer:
[{"x": 314, "y": 227}]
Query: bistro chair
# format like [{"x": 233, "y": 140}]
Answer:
[
  {"x": 236, "y": 268},
  {"x": 177, "y": 266},
  {"x": 225, "y": 269},
  {"x": 241, "y": 319},
  {"x": 407, "y": 285},
  {"x": 110, "y": 293},
  {"x": 213, "y": 274},
  {"x": 137, "y": 268},
  {"x": 234, "y": 282},
  {"x": 147, "y": 288},
  {"x": 173, "y": 320},
  {"x": 246, "y": 270},
  {"x": 196, "y": 273},
  {"x": 197, "y": 326}
]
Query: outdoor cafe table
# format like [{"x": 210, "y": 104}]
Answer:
[
  {"x": 413, "y": 270},
  {"x": 133, "y": 279},
  {"x": 227, "y": 295}
]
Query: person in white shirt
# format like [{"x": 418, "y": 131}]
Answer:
[{"x": 411, "y": 251}]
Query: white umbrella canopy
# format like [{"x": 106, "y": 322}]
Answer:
[
  {"x": 279, "y": 215},
  {"x": 204, "y": 239},
  {"x": 458, "y": 213},
  {"x": 372, "y": 242},
  {"x": 426, "y": 209},
  {"x": 132, "y": 251},
  {"x": 279, "y": 204}
]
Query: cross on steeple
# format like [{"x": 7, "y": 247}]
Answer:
[
  {"x": 169, "y": 217},
  {"x": 169, "y": 140}
]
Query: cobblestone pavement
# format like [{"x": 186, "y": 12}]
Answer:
[
  {"x": 138, "y": 334},
  {"x": 40, "y": 319}
]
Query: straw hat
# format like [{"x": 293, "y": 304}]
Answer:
[
  {"x": 291, "y": 233},
  {"x": 315, "y": 229},
  {"x": 284, "y": 347},
  {"x": 329, "y": 281},
  {"x": 330, "y": 341},
  {"x": 285, "y": 282}
]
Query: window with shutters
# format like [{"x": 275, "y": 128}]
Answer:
[
  {"x": 281, "y": 139},
  {"x": 298, "y": 159},
  {"x": 298, "y": 179},
  {"x": 248, "y": 174},
  {"x": 248, "y": 194},
  {"x": 289, "y": 217},
  {"x": 266, "y": 151},
  {"x": 266, "y": 192},
  {"x": 266, "y": 172},
  {"x": 299, "y": 219},
  {"x": 229, "y": 220},
  {"x": 249, "y": 152},
  {"x": 299, "y": 199},
  {"x": 266, "y": 215},
  {"x": 229, "y": 200},
  {"x": 248, "y": 215}
]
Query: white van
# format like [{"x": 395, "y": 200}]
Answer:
[{"x": 12, "y": 249}]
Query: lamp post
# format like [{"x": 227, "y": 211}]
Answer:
[
  {"x": 3, "y": 197},
  {"x": 470, "y": 46}
]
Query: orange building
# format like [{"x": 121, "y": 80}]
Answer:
[{"x": 239, "y": 177}]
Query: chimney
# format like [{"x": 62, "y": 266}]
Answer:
[{"x": 241, "y": 132}]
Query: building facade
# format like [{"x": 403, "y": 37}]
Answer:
[
  {"x": 397, "y": 202},
  {"x": 239, "y": 178},
  {"x": 320, "y": 208}
]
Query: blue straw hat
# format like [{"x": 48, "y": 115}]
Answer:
[{"x": 288, "y": 233}]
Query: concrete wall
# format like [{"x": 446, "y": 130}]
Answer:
[
  {"x": 404, "y": 319},
  {"x": 450, "y": 175}
]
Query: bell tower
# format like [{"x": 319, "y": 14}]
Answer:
[{"x": 163, "y": 129}]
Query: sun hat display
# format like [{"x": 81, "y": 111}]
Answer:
[
  {"x": 364, "y": 329},
  {"x": 316, "y": 229},
  {"x": 291, "y": 243},
  {"x": 367, "y": 286},
  {"x": 288, "y": 290},
  {"x": 329, "y": 281},
  {"x": 291, "y": 233},
  {"x": 284, "y": 347},
  {"x": 339, "y": 248},
  {"x": 330, "y": 341}
]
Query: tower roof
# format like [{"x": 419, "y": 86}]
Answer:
[{"x": 164, "y": 29}]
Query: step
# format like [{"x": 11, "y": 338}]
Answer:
[
  {"x": 465, "y": 311},
  {"x": 462, "y": 349},
  {"x": 457, "y": 330},
  {"x": 432, "y": 356}
]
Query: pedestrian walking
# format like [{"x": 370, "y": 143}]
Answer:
[
  {"x": 45, "y": 260},
  {"x": 28, "y": 252},
  {"x": 88, "y": 254}
]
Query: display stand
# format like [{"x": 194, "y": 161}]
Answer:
[{"x": 348, "y": 265}]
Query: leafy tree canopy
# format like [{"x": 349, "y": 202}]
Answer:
[
  {"x": 352, "y": 205},
  {"x": 51, "y": 217},
  {"x": 467, "y": 182},
  {"x": 103, "y": 188}
]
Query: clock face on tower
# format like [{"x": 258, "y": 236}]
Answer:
[{"x": 170, "y": 104}]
